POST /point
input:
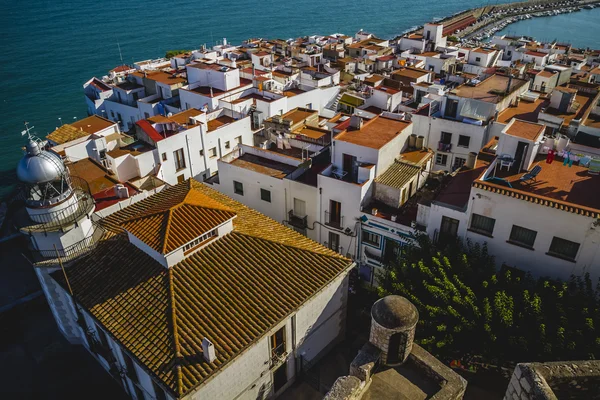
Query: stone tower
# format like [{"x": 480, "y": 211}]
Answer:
[{"x": 393, "y": 323}]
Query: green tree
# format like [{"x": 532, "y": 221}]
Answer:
[{"x": 468, "y": 308}]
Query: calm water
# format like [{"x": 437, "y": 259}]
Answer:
[
  {"x": 578, "y": 28},
  {"x": 50, "y": 48}
]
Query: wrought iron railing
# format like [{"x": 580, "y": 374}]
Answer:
[
  {"x": 50, "y": 256},
  {"x": 278, "y": 355},
  {"x": 334, "y": 220},
  {"x": 55, "y": 220},
  {"x": 297, "y": 221},
  {"x": 444, "y": 146},
  {"x": 334, "y": 247}
]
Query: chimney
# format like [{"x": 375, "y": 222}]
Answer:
[
  {"x": 208, "y": 350},
  {"x": 224, "y": 41},
  {"x": 356, "y": 122},
  {"x": 510, "y": 78},
  {"x": 471, "y": 160}
]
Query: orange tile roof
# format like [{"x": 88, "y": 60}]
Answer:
[
  {"x": 169, "y": 227},
  {"x": 233, "y": 291}
]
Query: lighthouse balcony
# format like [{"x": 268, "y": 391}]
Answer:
[
  {"x": 52, "y": 257},
  {"x": 63, "y": 215}
]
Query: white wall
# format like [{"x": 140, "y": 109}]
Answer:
[{"x": 548, "y": 222}]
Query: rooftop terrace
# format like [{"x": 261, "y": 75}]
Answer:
[{"x": 489, "y": 90}]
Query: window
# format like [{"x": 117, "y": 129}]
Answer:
[
  {"x": 238, "y": 140},
  {"x": 477, "y": 59},
  {"x": 459, "y": 162},
  {"x": 522, "y": 236},
  {"x": 180, "y": 178},
  {"x": 164, "y": 156},
  {"x": 334, "y": 217},
  {"x": 212, "y": 153},
  {"x": 563, "y": 248},
  {"x": 238, "y": 188},
  {"x": 179, "y": 159},
  {"x": 199, "y": 240},
  {"x": 441, "y": 159},
  {"x": 481, "y": 224},
  {"x": 146, "y": 115},
  {"x": 451, "y": 108},
  {"x": 463, "y": 141},
  {"x": 158, "y": 392},
  {"x": 334, "y": 241},
  {"x": 371, "y": 238},
  {"x": 202, "y": 153},
  {"x": 112, "y": 113},
  {"x": 446, "y": 138},
  {"x": 139, "y": 394},
  {"x": 227, "y": 145},
  {"x": 265, "y": 195}
]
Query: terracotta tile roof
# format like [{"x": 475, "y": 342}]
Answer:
[
  {"x": 66, "y": 133},
  {"x": 224, "y": 292},
  {"x": 93, "y": 124},
  {"x": 168, "y": 227}
]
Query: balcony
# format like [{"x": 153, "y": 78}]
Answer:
[
  {"x": 337, "y": 248},
  {"x": 297, "y": 221},
  {"x": 334, "y": 220},
  {"x": 57, "y": 220},
  {"x": 444, "y": 146},
  {"x": 278, "y": 356}
]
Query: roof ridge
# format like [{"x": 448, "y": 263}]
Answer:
[
  {"x": 335, "y": 255},
  {"x": 168, "y": 228},
  {"x": 172, "y": 323}
]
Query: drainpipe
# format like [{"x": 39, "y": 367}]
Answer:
[
  {"x": 187, "y": 144},
  {"x": 320, "y": 213},
  {"x": 203, "y": 148}
]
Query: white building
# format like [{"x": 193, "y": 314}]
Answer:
[
  {"x": 205, "y": 306},
  {"x": 545, "y": 223}
]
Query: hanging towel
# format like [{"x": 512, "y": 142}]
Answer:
[
  {"x": 584, "y": 161},
  {"x": 550, "y": 156}
]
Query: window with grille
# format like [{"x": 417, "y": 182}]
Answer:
[
  {"x": 179, "y": 159},
  {"x": 238, "y": 188},
  {"x": 459, "y": 162},
  {"x": 441, "y": 159},
  {"x": 371, "y": 238},
  {"x": 463, "y": 141},
  {"x": 522, "y": 236},
  {"x": 446, "y": 138},
  {"x": 199, "y": 240},
  {"x": 482, "y": 224},
  {"x": 563, "y": 248}
]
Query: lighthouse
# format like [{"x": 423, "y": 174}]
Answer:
[{"x": 58, "y": 224}]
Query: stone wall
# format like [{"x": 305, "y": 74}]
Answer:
[
  {"x": 380, "y": 337},
  {"x": 572, "y": 380}
]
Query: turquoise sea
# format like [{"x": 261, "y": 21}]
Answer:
[{"x": 49, "y": 48}]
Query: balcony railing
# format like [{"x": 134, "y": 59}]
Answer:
[
  {"x": 334, "y": 247},
  {"x": 278, "y": 355},
  {"x": 297, "y": 221},
  {"x": 444, "y": 146},
  {"x": 50, "y": 257},
  {"x": 56, "y": 220},
  {"x": 334, "y": 220}
]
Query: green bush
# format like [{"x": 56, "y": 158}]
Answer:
[{"x": 173, "y": 53}]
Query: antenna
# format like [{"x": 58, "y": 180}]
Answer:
[{"x": 27, "y": 130}]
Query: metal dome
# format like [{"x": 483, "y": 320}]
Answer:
[{"x": 39, "y": 166}]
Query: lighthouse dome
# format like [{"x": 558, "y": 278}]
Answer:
[{"x": 39, "y": 166}]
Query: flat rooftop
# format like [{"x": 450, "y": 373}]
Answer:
[
  {"x": 405, "y": 382},
  {"x": 298, "y": 114},
  {"x": 374, "y": 133},
  {"x": 93, "y": 124},
  {"x": 206, "y": 90},
  {"x": 489, "y": 89},
  {"x": 265, "y": 166},
  {"x": 584, "y": 100},
  {"x": 216, "y": 123},
  {"x": 526, "y": 111},
  {"x": 571, "y": 186},
  {"x": 135, "y": 149},
  {"x": 525, "y": 130}
]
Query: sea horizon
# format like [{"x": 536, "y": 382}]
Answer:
[{"x": 60, "y": 45}]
